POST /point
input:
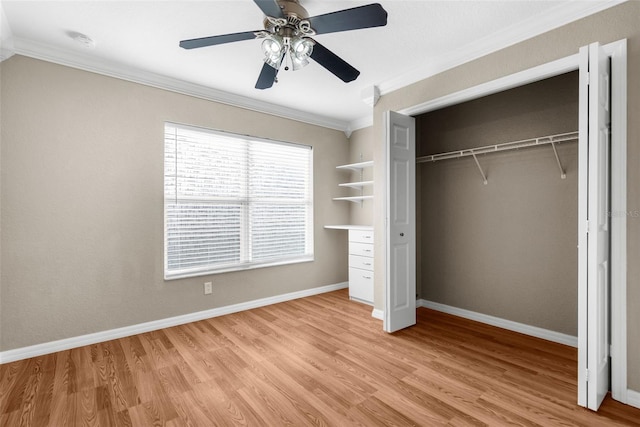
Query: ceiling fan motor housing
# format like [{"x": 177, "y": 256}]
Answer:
[
  {"x": 292, "y": 8},
  {"x": 293, "y": 23}
]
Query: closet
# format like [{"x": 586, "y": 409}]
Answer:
[{"x": 497, "y": 228}]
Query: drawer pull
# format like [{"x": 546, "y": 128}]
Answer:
[
  {"x": 366, "y": 250},
  {"x": 366, "y": 263},
  {"x": 366, "y": 277}
]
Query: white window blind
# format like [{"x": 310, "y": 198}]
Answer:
[{"x": 234, "y": 202}]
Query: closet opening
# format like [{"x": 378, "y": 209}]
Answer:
[
  {"x": 602, "y": 196},
  {"x": 497, "y": 207}
]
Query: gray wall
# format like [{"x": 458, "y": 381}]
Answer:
[
  {"x": 508, "y": 248},
  {"x": 619, "y": 22},
  {"x": 82, "y": 204}
]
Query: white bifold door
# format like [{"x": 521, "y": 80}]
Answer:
[
  {"x": 594, "y": 227},
  {"x": 400, "y": 223}
]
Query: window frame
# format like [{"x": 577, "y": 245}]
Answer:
[{"x": 245, "y": 203}]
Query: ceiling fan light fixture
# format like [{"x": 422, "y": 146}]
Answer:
[
  {"x": 300, "y": 52},
  {"x": 302, "y": 48},
  {"x": 273, "y": 48},
  {"x": 298, "y": 63}
]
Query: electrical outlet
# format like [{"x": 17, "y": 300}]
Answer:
[{"x": 208, "y": 288}]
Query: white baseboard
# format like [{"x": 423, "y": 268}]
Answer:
[
  {"x": 377, "y": 314},
  {"x": 79, "y": 341},
  {"x": 502, "y": 323},
  {"x": 633, "y": 398}
]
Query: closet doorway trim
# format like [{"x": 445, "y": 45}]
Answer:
[{"x": 617, "y": 51}]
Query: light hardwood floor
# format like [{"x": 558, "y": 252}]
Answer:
[{"x": 320, "y": 360}]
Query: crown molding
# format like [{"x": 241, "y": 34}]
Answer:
[
  {"x": 6, "y": 37},
  {"x": 82, "y": 62},
  {"x": 559, "y": 16},
  {"x": 5, "y": 53}
]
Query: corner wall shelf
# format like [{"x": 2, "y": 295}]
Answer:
[
  {"x": 355, "y": 199},
  {"x": 349, "y": 227},
  {"x": 356, "y": 166},
  {"x": 359, "y": 185}
]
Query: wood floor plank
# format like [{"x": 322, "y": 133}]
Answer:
[
  {"x": 293, "y": 403},
  {"x": 411, "y": 400},
  {"x": 228, "y": 407},
  {"x": 10, "y": 419},
  {"x": 441, "y": 397},
  {"x": 315, "y": 404},
  {"x": 317, "y": 361},
  {"x": 380, "y": 413},
  {"x": 191, "y": 412}
]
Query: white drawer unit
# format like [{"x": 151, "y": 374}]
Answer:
[
  {"x": 362, "y": 249},
  {"x": 361, "y": 265},
  {"x": 361, "y": 236},
  {"x": 361, "y": 262},
  {"x": 361, "y": 285}
]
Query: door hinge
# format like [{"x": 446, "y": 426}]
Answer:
[
  {"x": 588, "y": 77},
  {"x": 586, "y": 375},
  {"x": 587, "y": 226}
]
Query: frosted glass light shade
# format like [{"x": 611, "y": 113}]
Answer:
[{"x": 273, "y": 49}]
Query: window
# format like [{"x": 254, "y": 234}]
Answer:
[{"x": 233, "y": 202}]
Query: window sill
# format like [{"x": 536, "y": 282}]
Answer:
[{"x": 236, "y": 268}]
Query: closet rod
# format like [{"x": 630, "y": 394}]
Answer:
[{"x": 543, "y": 140}]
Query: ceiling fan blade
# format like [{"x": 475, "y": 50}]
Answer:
[
  {"x": 269, "y": 8},
  {"x": 214, "y": 40},
  {"x": 371, "y": 15},
  {"x": 267, "y": 77},
  {"x": 332, "y": 62}
]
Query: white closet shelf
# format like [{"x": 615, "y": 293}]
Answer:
[
  {"x": 360, "y": 184},
  {"x": 355, "y": 199},
  {"x": 356, "y": 166},
  {"x": 513, "y": 145}
]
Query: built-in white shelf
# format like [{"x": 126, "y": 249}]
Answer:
[
  {"x": 350, "y": 227},
  {"x": 357, "y": 166},
  {"x": 357, "y": 185},
  {"x": 355, "y": 199}
]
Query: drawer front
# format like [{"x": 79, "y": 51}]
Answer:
[
  {"x": 362, "y": 249},
  {"x": 361, "y": 236},
  {"x": 361, "y": 262},
  {"x": 361, "y": 284}
]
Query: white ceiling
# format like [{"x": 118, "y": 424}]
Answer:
[{"x": 138, "y": 40}]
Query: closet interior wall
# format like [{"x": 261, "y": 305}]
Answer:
[{"x": 508, "y": 248}]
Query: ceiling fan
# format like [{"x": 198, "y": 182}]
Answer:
[{"x": 287, "y": 37}]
